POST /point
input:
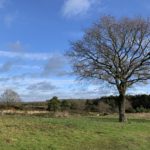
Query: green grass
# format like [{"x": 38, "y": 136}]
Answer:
[{"x": 74, "y": 133}]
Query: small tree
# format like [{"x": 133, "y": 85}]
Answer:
[
  {"x": 65, "y": 105},
  {"x": 54, "y": 104},
  {"x": 115, "y": 51},
  {"x": 90, "y": 106},
  {"x": 10, "y": 98}
]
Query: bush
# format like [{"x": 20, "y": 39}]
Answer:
[
  {"x": 77, "y": 105},
  {"x": 141, "y": 109},
  {"x": 103, "y": 107},
  {"x": 65, "y": 105},
  {"x": 54, "y": 104}
]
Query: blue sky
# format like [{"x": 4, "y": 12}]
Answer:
[{"x": 36, "y": 33}]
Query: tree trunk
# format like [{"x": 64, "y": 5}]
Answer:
[{"x": 121, "y": 104}]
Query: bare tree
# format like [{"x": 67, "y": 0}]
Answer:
[
  {"x": 115, "y": 51},
  {"x": 10, "y": 97}
]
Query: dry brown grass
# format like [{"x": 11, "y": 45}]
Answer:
[
  {"x": 67, "y": 114},
  {"x": 35, "y": 112},
  {"x": 61, "y": 114},
  {"x": 139, "y": 115},
  {"x": 11, "y": 111}
]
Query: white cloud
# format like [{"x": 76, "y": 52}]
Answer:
[
  {"x": 36, "y": 88},
  {"x": 77, "y": 7},
  {"x": 23, "y": 55}
]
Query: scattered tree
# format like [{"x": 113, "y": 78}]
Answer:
[
  {"x": 65, "y": 105},
  {"x": 54, "y": 104},
  {"x": 115, "y": 51},
  {"x": 10, "y": 98}
]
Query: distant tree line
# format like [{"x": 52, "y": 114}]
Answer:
[
  {"x": 104, "y": 105},
  {"x": 137, "y": 103}
]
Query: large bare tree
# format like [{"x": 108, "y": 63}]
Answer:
[{"x": 116, "y": 51}]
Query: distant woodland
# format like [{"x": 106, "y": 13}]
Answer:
[{"x": 104, "y": 105}]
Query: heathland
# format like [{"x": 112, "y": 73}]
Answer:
[{"x": 90, "y": 132}]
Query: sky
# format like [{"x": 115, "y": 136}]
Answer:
[{"x": 35, "y": 34}]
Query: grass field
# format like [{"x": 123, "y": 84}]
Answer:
[{"x": 74, "y": 133}]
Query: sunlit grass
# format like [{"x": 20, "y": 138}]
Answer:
[{"x": 73, "y": 133}]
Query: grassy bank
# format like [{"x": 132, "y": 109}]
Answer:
[{"x": 74, "y": 133}]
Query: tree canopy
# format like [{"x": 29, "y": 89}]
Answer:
[{"x": 116, "y": 51}]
